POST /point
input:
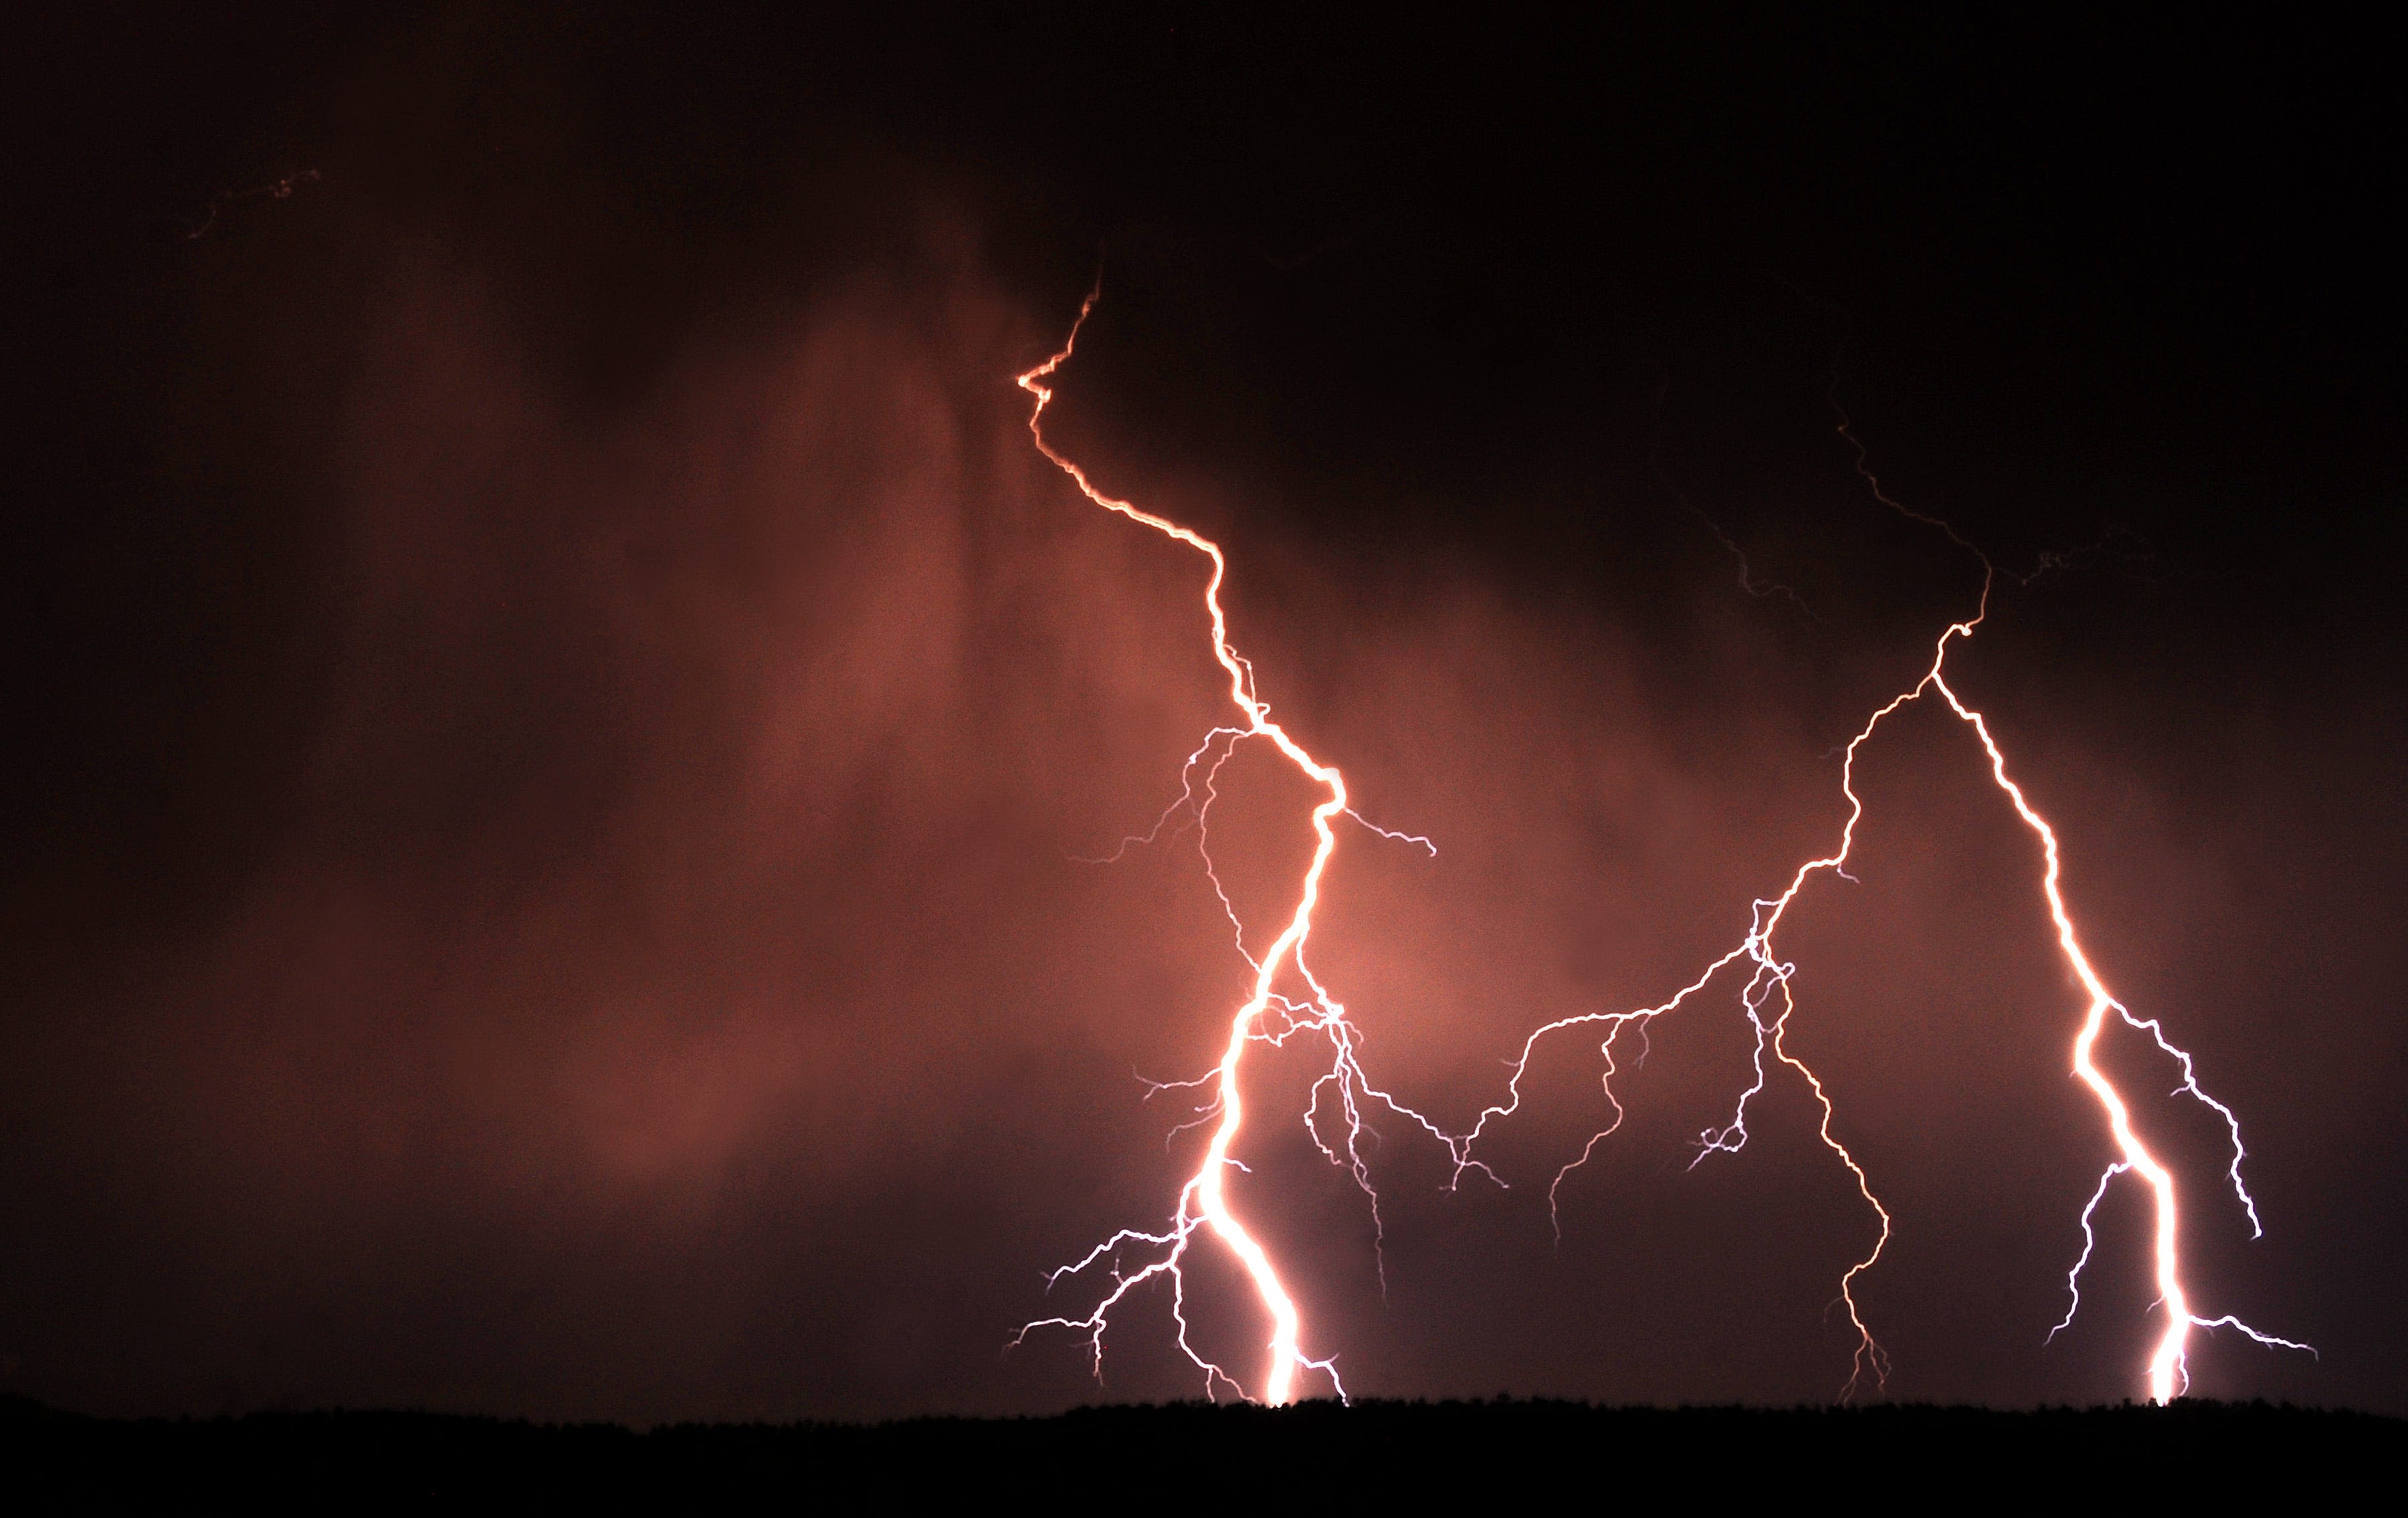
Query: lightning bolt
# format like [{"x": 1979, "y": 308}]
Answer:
[
  {"x": 1766, "y": 991},
  {"x": 1267, "y": 1016},
  {"x": 2168, "y": 1370},
  {"x": 1769, "y": 978}
]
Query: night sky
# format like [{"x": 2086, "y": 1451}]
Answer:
[{"x": 556, "y": 717}]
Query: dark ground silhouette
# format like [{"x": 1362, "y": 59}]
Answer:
[{"x": 1189, "y": 1459}]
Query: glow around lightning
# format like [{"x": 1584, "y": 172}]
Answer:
[{"x": 1135, "y": 1257}]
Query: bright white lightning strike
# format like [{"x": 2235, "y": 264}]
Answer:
[
  {"x": 1268, "y": 1015},
  {"x": 1768, "y": 975},
  {"x": 2168, "y": 1372}
]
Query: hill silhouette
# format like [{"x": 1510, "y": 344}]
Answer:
[{"x": 1194, "y": 1458}]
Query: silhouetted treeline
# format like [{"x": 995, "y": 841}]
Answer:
[{"x": 1189, "y": 1459}]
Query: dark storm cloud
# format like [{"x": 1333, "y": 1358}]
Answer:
[{"x": 567, "y": 708}]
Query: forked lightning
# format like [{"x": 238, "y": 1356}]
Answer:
[{"x": 1132, "y": 1258}]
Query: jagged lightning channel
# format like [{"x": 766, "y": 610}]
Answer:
[
  {"x": 1268, "y": 1015},
  {"x": 1769, "y": 976}
]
